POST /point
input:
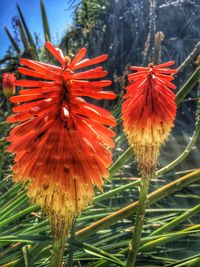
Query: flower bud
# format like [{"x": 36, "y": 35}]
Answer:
[{"x": 8, "y": 84}]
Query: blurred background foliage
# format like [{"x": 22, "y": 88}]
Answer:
[{"x": 131, "y": 32}]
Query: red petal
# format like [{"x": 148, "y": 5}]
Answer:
[
  {"x": 90, "y": 74},
  {"x": 30, "y": 83},
  {"x": 41, "y": 67},
  {"x": 23, "y": 98},
  {"x": 57, "y": 53},
  {"x": 89, "y": 62},
  {"x": 35, "y": 74},
  {"x": 80, "y": 55},
  {"x": 97, "y": 95},
  {"x": 163, "y": 65}
]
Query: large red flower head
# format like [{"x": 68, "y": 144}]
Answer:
[
  {"x": 8, "y": 84},
  {"x": 149, "y": 111},
  {"x": 61, "y": 142}
]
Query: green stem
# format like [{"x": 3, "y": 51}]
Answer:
[
  {"x": 58, "y": 247},
  {"x": 190, "y": 57},
  {"x": 144, "y": 187},
  {"x": 120, "y": 161},
  {"x": 186, "y": 88},
  {"x": 192, "y": 143},
  {"x": 71, "y": 248}
]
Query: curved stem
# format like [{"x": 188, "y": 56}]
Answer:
[
  {"x": 193, "y": 140},
  {"x": 186, "y": 88},
  {"x": 190, "y": 57},
  {"x": 134, "y": 246}
]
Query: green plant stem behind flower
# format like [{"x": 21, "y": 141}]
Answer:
[
  {"x": 58, "y": 246},
  {"x": 134, "y": 246}
]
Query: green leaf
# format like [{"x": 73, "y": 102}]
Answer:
[
  {"x": 98, "y": 252},
  {"x": 28, "y": 259},
  {"x": 188, "y": 85},
  {"x": 14, "y": 43},
  {"x": 23, "y": 35},
  {"x": 30, "y": 39},
  {"x": 128, "y": 210},
  {"x": 47, "y": 35}
]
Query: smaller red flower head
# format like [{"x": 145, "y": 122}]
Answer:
[
  {"x": 62, "y": 142},
  {"x": 149, "y": 108},
  {"x": 8, "y": 84}
]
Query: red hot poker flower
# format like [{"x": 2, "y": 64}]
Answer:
[
  {"x": 149, "y": 111},
  {"x": 8, "y": 84},
  {"x": 61, "y": 142}
]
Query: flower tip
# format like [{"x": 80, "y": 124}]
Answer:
[
  {"x": 83, "y": 50},
  {"x": 56, "y": 52},
  {"x": 105, "y": 56},
  {"x": 164, "y": 65},
  {"x": 172, "y": 62},
  {"x": 111, "y": 95},
  {"x": 113, "y": 123},
  {"x": 48, "y": 43}
]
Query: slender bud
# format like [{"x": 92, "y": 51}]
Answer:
[{"x": 8, "y": 84}]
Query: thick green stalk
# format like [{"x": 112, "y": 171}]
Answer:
[
  {"x": 58, "y": 246},
  {"x": 134, "y": 246},
  {"x": 71, "y": 248}
]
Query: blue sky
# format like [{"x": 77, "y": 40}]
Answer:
[{"x": 58, "y": 12}]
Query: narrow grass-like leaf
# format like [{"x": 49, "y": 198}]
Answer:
[
  {"x": 12, "y": 203},
  {"x": 193, "y": 140},
  {"x": 128, "y": 210},
  {"x": 28, "y": 260},
  {"x": 47, "y": 35},
  {"x": 115, "y": 191},
  {"x": 14, "y": 43},
  {"x": 173, "y": 236},
  {"x": 178, "y": 220},
  {"x": 188, "y": 85},
  {"x": 18, "y": 215},
  {"x": 23, "y": 35},
  {"x": 98, "y": 252},
  {"x": 128, "y": 154},
  {"x": 186, "y": 262},
  {"x": 29, "y": 36}
]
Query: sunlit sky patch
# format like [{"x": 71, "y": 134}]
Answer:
[{"x": 58, "y": 11}]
